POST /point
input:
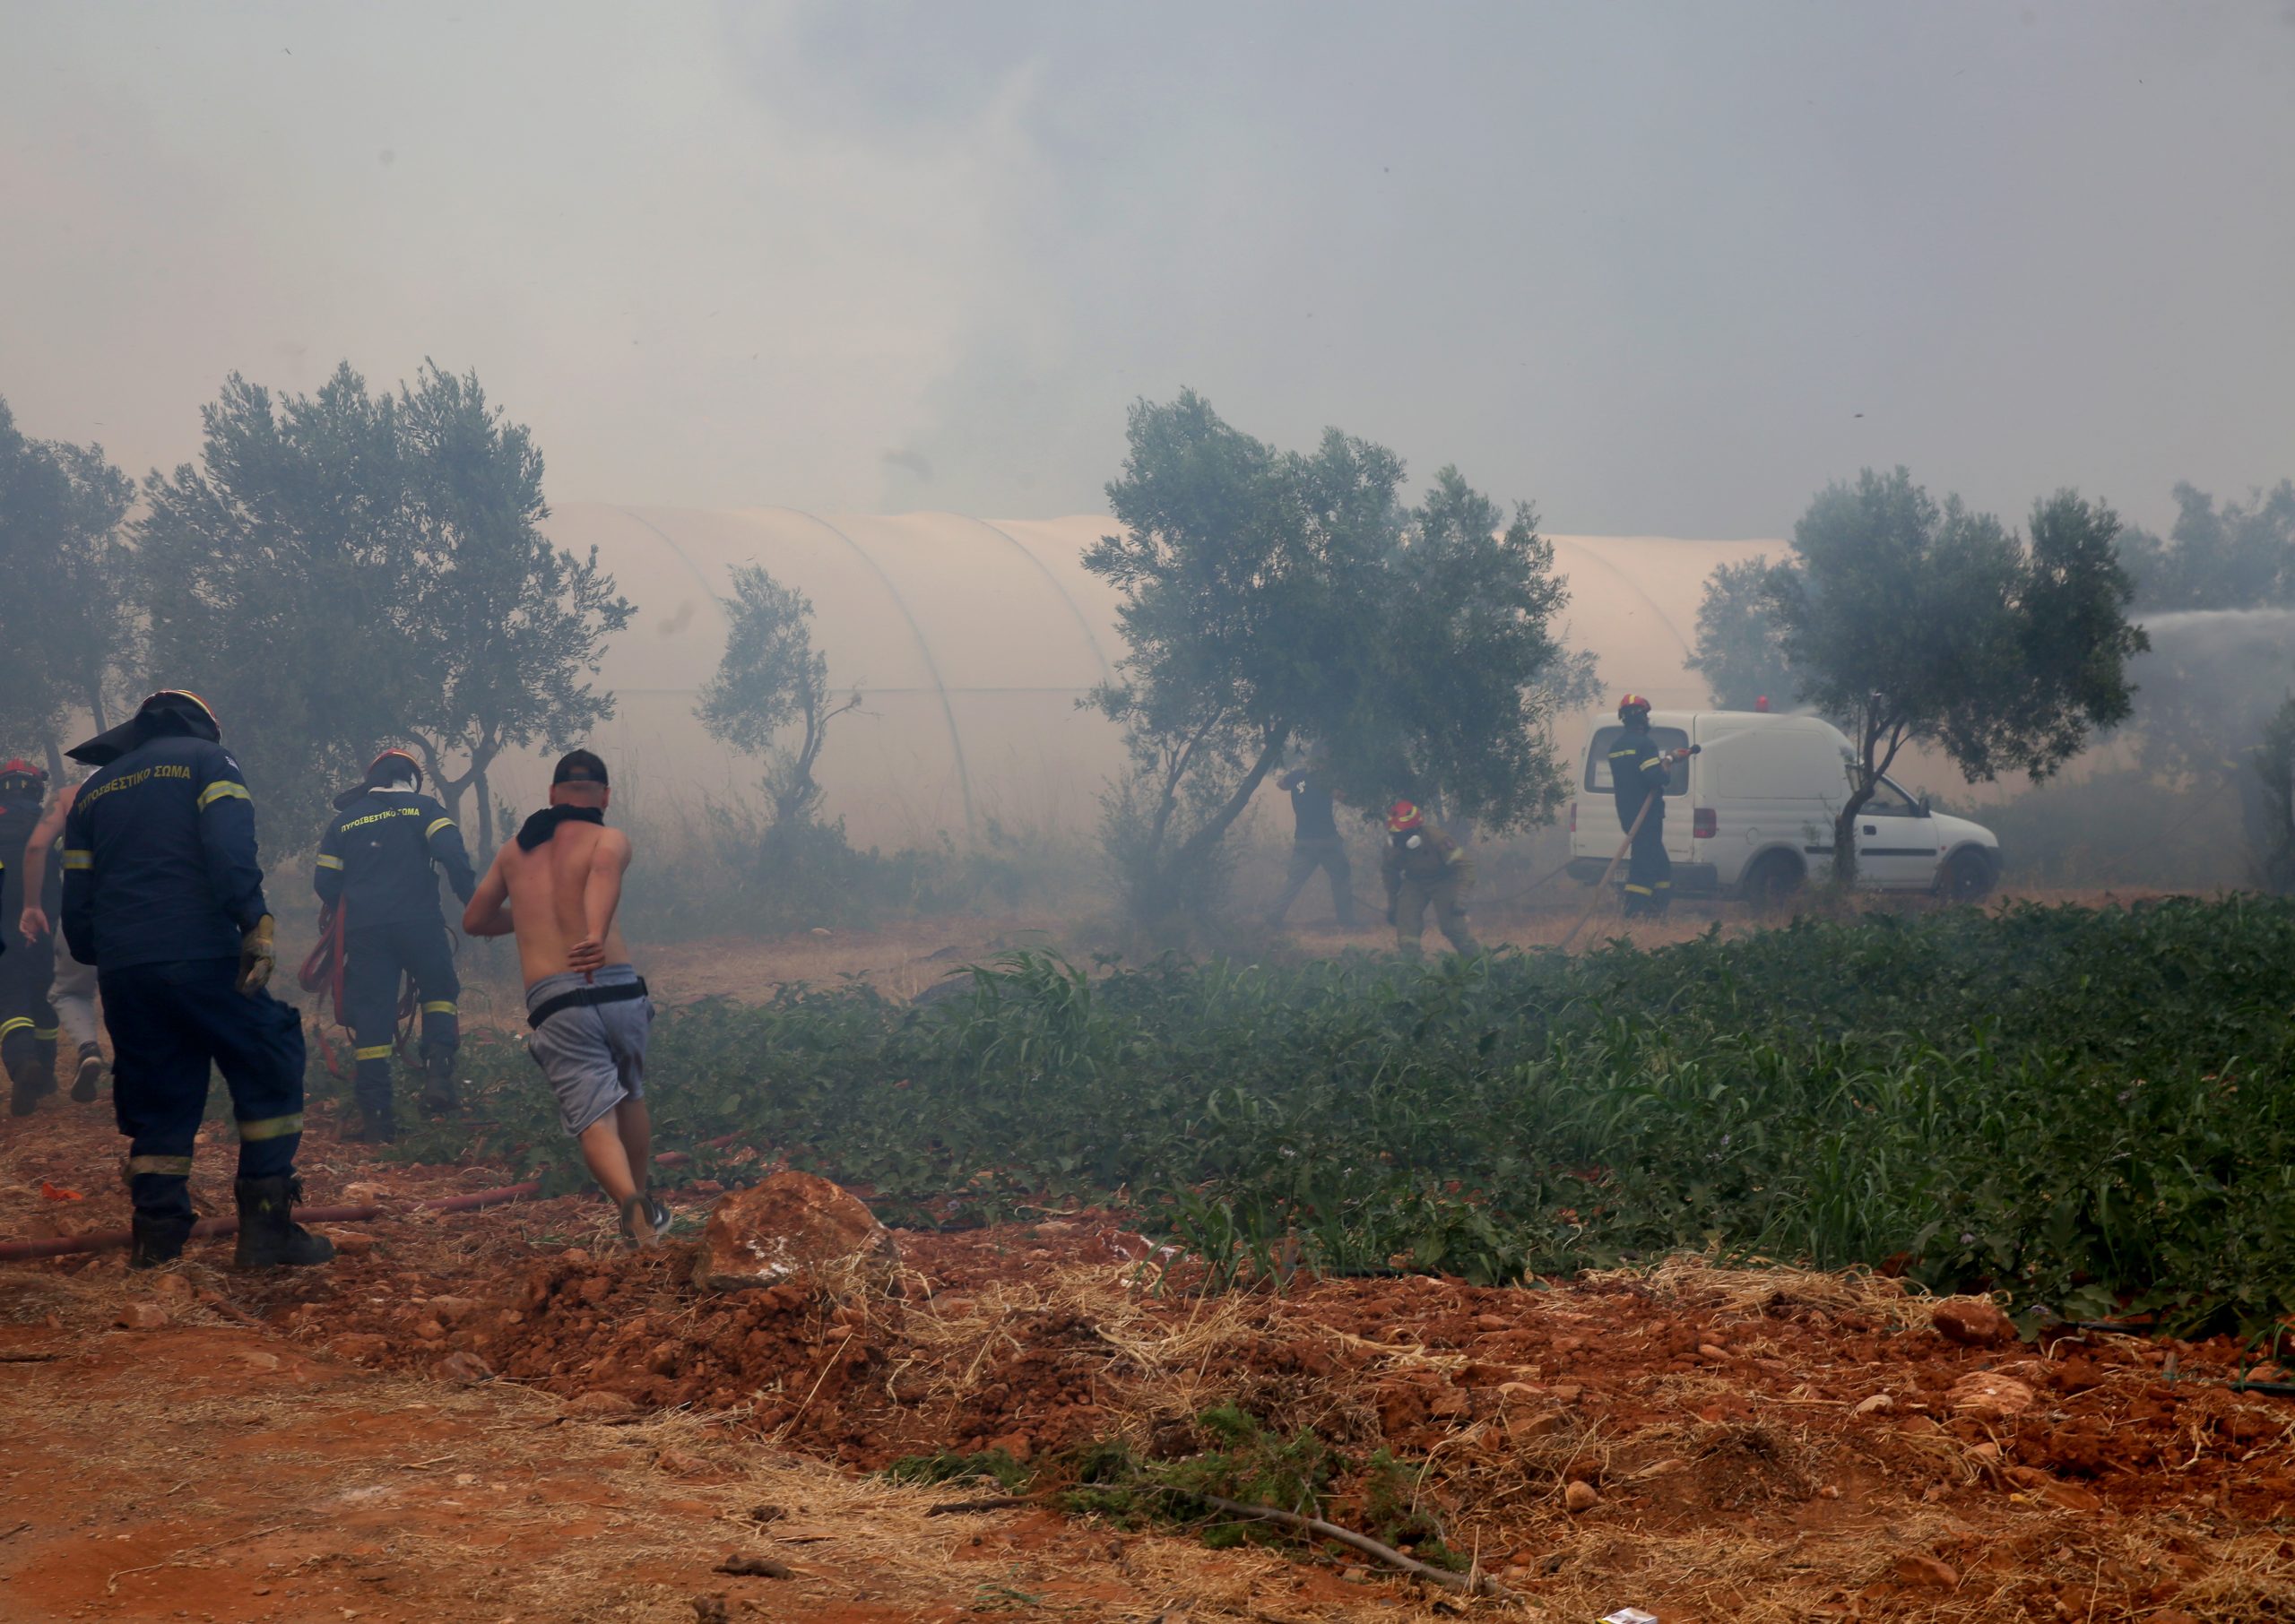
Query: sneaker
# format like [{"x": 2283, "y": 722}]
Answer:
[
  {"x": 91, "y": 1073},
  {"x": 637, "y": 1225},
  {"x": 658, "y": 1209}
]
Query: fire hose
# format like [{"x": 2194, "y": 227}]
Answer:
[
  {"x": 106, "y": 1240},
  {"x": 1602, "y": 886}
]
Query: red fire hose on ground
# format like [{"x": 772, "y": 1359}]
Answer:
[{"x": 105, "y": 1241}]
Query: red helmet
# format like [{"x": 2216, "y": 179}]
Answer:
[
  {"x": 1632, "y": 702},
  {"x": 374, "y": 773},
  {"x": 21, "y": 776},
  {"x": 1403, "y": 814}
]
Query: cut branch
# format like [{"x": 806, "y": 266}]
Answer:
[{"x": 1473, "y": 1583}]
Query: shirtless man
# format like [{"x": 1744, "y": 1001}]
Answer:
[
  {"x": 557, "y": 886},
  {"x": 73, "y": 989}
]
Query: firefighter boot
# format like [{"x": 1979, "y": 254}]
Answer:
[
  {"x": 438, "y": 1096},
  {"x": 268, "y": 1235},
  {"x": 91, "y": 1073},
  {"x": 370, "y": 1089},
  {"x": 29, "y": 1082},
  {"x": 162, "y": 1220}
]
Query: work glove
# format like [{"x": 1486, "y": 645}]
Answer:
[{"x": 257, "y": 957}]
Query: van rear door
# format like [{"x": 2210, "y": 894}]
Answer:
[{"x": 1773, "y": 784}]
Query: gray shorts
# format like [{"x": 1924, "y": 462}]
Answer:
[{"x": 594, "y": 1054}]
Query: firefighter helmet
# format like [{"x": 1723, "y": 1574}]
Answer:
[
  {"x": 20, "y": 777},
  {"x": 1630, "y": 703},
  {"x": 170, "y": 712},
  {"x": 1403, "y": 814},
  {"x": 391, "y": 757}
]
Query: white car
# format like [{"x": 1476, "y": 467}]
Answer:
[{"x": 1752, "y": 814}]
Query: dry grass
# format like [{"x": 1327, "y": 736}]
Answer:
[{"x": 1750, "y": 1290}]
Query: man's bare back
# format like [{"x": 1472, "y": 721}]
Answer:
[
  {"x": 560, "y": 898},
  {"x": 557, "y": 885}
]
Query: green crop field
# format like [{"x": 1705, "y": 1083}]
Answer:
[{"x": 2087, "y": 1111}]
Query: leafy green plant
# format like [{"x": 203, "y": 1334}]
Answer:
[{"x": 2080, "y": 1109}]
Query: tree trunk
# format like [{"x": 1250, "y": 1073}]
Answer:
[
  {"x": 1193, "y": 848},
  {"x": 485, "y": 818},
  {"x": 55, "y": 763},
  {"x": 1844, "y": 838}
]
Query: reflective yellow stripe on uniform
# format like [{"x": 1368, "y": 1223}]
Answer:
[
  {"x": 223, "y": 789},
  {"x": 10, "y": 1025},
  {"x": 329, "y": 862},
  {"x": 439, "y": 1007},
  {"x": 47, "y": 1035},
  {"x": 79, "y": 859},
  {"x": 1638, "y": 890},
  {"x": 165, "y": 1167},
  {"x": 438, "y": 824},
  {"x": 378, "y": 1051},
  {"x": 271, "y": 1127}
]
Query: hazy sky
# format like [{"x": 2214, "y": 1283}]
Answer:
[{"x": 1643, "y": 264}]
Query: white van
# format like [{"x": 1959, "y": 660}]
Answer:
[{"x": 1751, "y": 814}]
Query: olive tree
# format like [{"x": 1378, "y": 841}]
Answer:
[
  {"x": 1272, "y": 598},
  {"x": 1905, "y": 620},
  {"x": 769, "y": 681},
  {"x": 1740, "y": 648}
]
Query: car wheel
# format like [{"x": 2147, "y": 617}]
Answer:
[
  {"x": 1968, "y": 877},
  {"x": 1770, "y": 884}
]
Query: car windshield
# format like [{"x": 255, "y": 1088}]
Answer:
[{"x": 1890, "y": 800}]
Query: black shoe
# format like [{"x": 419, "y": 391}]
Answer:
[
  {"x": 372, "y": 1128},
  {"x": 658, "y": 1209},
  {"x": 92, "y": 1072},
  {"x": 438, "y": 1095},
  {"x": 158, "y": 1240},
  {"x": 268, "y": 1235}
]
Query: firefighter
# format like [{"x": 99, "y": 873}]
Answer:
[
  {"x": 163, "y": 894},
  {"x": 378, "y": 865},
  {"x": 1423, "y": 865},
  {"x": 28, "y": 1023},
  {"x": 1639, "y": 771},
  {"x": 1315, "y": 843}
]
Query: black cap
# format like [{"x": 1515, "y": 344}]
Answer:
[
  {"x": 169, "y": 710},
  {"x": 579, "y": 767}
]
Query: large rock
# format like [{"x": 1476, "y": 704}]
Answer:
[
  {"x": 791, "y": 1223},
  {"x": 1973, "y": 1322}
]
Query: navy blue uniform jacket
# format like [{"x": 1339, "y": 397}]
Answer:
[
  {"x": 375, "y": 858},
  {"x": 159, "y": 858}
]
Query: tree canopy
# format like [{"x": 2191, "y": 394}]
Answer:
[
  {"x": 348, "y": 569},
  {"x": 1277, "y": 599},
  {"x": 60, "y": 564},
  {"x": 1907, "y": 620},
  {"x": 1739, "y": 649},
  {"x": 2240, "y": 555}
]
